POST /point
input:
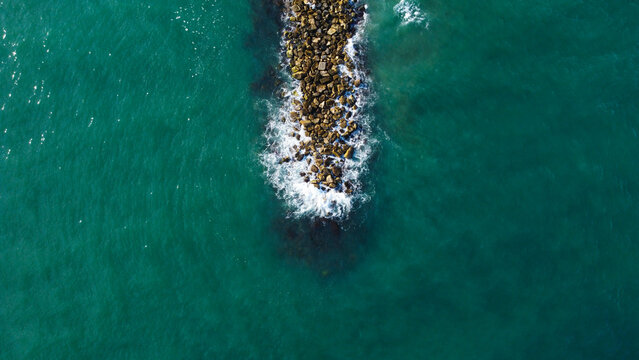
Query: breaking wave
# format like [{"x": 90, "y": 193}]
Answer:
[{"x": 410, "y": 13}]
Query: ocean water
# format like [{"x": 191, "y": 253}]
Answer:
[{"x": 137, "y": 220}]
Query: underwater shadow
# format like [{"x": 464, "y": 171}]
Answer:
[
  {"x": 264, "y": 42},
  {"x": 328, "y": 247}
]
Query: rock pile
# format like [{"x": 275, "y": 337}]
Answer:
[{"x": 316, "y": 40}]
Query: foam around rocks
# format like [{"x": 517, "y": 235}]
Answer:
[{"x": 285, "y": 135}]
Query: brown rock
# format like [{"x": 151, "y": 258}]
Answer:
[{"x": 349, "y": 153}]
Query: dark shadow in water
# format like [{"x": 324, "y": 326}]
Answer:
[
  {"x": 329, "y": 247},
  {"x": 267, "y": 84},
  {"x": 264, "y": 42}
]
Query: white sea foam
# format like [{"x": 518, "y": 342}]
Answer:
[
  {"x": 410, "y": 13},
  {"x": 302, "y": 198}
]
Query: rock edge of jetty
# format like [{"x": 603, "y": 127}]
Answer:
[{"x": 316, "y": 36}]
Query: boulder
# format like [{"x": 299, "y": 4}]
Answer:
[{"x": 349, "y": 153}]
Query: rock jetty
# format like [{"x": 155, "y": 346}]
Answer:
[{"x": 316, "y": 39}]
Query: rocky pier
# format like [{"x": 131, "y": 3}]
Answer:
[{"x": 316, "y": 38}]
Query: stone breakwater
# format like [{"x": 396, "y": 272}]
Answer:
[{"x": 318, "y": 144}]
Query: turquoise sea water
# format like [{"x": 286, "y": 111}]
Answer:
[{"x": 136, "y": 221}]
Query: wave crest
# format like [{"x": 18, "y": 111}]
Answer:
[{"x": 410, "y": 13}]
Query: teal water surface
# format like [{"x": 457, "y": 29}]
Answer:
[{"x": 136, "y": 222}]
